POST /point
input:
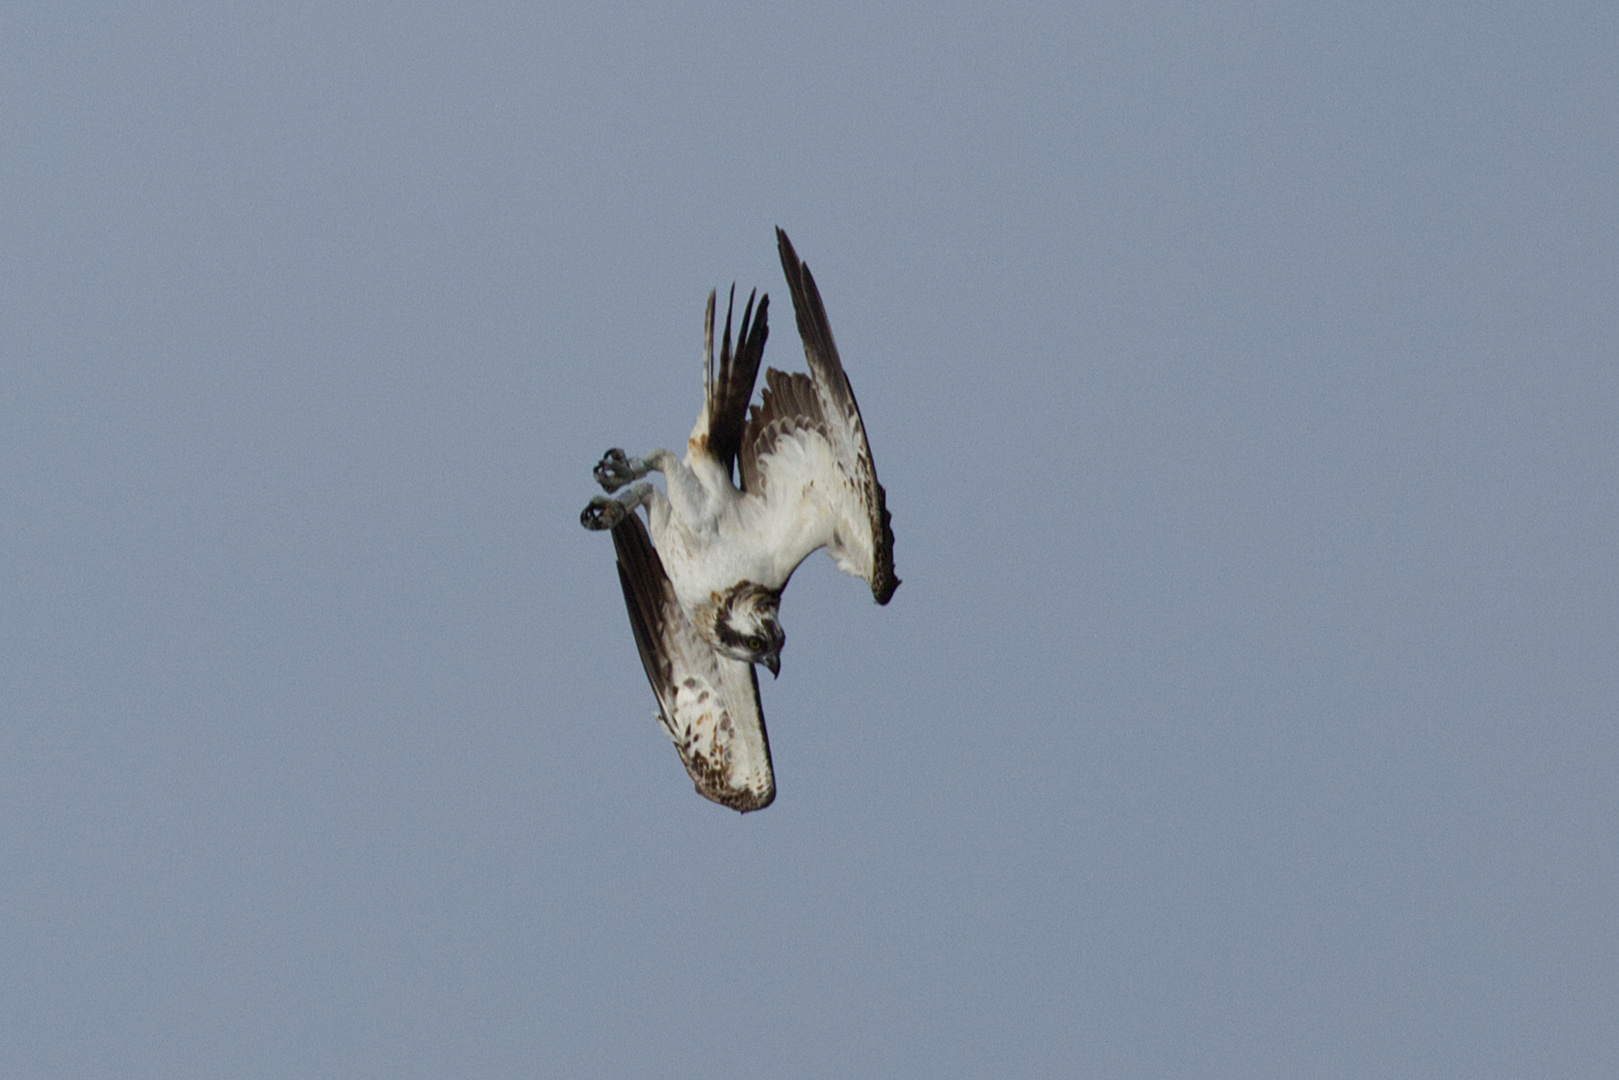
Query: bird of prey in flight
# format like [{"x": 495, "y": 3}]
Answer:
[{"x": 704, "y": 588}]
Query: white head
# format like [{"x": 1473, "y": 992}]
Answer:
[{"x": 746, "y": 625}]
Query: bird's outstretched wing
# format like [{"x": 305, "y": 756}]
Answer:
[
  {"x": 726, "y": 394},
  {"x": 806, "y": 456},
  {"x": 707, "y": 702}
]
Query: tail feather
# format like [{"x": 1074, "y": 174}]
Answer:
[{"x": 727, "y": 396}]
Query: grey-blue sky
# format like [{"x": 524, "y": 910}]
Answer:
[{"x": 1243, "y": 379}]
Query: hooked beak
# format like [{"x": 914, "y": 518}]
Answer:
[{"x": 773, "y": 662}]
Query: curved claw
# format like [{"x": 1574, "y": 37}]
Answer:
[
  {"x": 613, "y": 470},
  {"x": 601, "y": 513}
]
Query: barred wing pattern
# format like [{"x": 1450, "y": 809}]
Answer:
[
  {"x": 707, "y": 702},
  {"x": 806, "y": 456}
]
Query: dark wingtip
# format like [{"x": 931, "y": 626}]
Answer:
[
  {"x": 789, "y": 257},
  {"x": 885, "y": 581},
  {"x": 885, "y": 591}
]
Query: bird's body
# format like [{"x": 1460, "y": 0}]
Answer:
[{"x": 704, "y": 600}]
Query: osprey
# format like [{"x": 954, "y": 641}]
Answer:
[{"x": 704, "y": 589}]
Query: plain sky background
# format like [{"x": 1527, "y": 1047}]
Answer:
[{"x": 1244, "y": 381}]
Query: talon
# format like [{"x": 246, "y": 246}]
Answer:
[
  {"x": 602, "y": 513},
  {"x": 613, "y": 470}
]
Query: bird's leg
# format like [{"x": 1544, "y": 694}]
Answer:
[
  {"x": 605, "y": 511},
  {"x": 615, "y": 470}
]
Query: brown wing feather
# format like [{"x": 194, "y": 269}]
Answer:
[
  {"x": 707, "y": 703},
  {"x": 839, "y": 407},
  {"x": 642, "y": 576},
  {"x": 788, "y": 404}
]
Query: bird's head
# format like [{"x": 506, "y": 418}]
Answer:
[{"x": 746, "y": 625}]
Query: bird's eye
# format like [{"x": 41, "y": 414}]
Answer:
[{"x": 755, "y": 643}]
